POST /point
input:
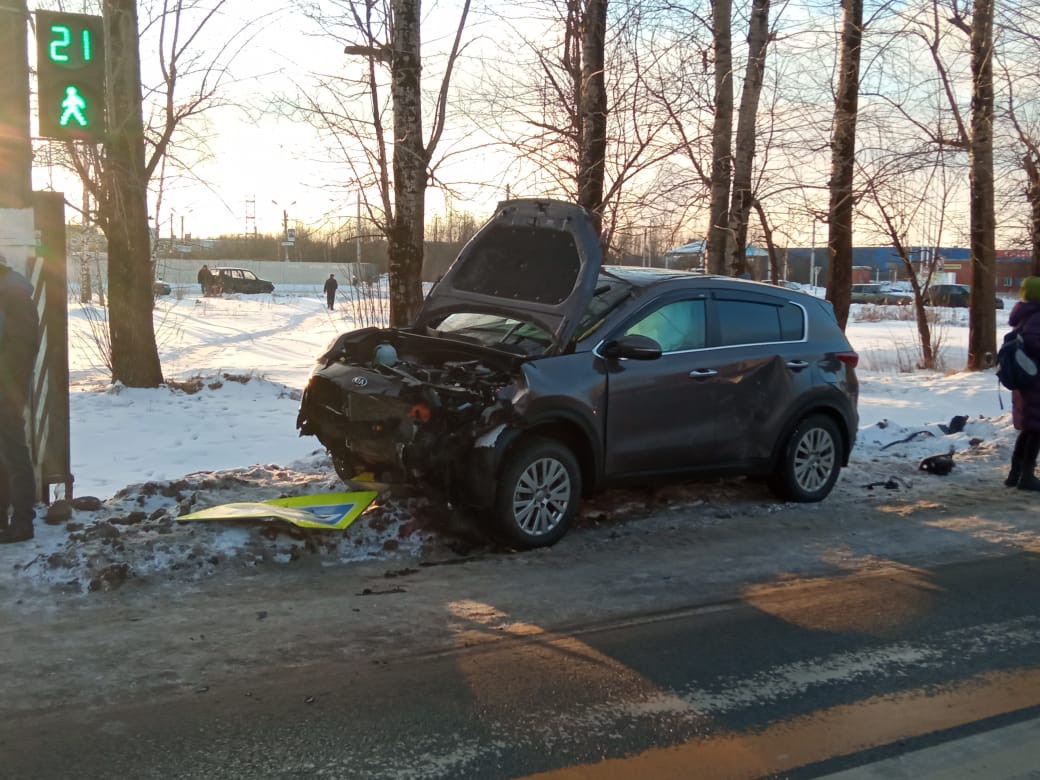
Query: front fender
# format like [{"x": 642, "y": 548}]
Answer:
[{"x": 486, "y": 456}]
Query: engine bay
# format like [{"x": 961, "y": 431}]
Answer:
[{"x": 407, "y": 406}]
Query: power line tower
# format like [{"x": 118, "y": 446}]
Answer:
[{"x": 251, "y": 216}]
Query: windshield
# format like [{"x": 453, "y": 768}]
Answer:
[
  {"x": 525, "y": 338},
  {"x": 610, "y": 291},
  {"x": 496, "y": 331}
]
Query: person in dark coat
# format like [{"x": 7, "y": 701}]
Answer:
[
  {"x": 331, "y": 285},
  {"x": 1025, "y": 404},
  {"x": 205, "y": 278},
  {"x": 19, "y": 338}
]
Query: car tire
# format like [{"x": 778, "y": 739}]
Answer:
[
  {"x": 345, "y": 467},
  {"x": 810, "y": 462},
  {"x": 539, "y": 488}
]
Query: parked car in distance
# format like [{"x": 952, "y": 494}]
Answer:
[
  {"x": 533, "y": 375},
  {"x": 239, "y": 280},
  {"x": 159, "y": 287},
  {"x": 953, "y": 295},
  {"x": 878, "y": 294},
  {"x": 898, "y": 286}
]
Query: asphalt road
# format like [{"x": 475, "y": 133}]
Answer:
[{"x": 831, "y": 675}]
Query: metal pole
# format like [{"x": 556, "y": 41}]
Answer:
[
  {"x": 357, "y": 230},
  {"x": 812, "y": 256},
  {"x": 17, "y": 236},
  {"x": 15, "y": 147}
]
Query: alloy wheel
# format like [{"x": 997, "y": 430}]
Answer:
[
  {"x": 541, "y": 496},
  {"x": 815, "y": 459}
]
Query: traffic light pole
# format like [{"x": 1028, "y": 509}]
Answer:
[
  {"x": 17, "y": 237},
  {"x": 43, "y": 264}
]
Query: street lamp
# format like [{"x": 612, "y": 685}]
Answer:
[
  {"x": 286, "y": 241},
  {"x": 813, "y": 270},
  {"x": 812, "y": 256}
]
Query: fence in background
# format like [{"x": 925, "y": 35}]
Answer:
[{"x": 183, "y": 272}]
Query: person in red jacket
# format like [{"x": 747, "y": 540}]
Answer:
[
  {"x": 19, "y": 338},
  {"x": 1025, "y": 404}
]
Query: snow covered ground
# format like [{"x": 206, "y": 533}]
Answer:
[{"x": 224, "y": 430}]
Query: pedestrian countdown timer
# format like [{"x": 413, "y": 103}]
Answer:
[{"x": 70, "y": 68}]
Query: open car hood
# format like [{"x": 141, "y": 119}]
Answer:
[{"x": 534, "y": 260}]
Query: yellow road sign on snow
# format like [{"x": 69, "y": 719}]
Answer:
[{"x": 333, "y": 511}]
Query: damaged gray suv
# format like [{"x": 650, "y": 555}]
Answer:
[{"x": 534, "y": 375}]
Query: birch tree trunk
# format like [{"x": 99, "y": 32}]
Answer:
[
  {"x": 740, "y": 205},
  {"x": 135, "y": 357},
  {"x": 722, "y": 130},
  {"x": 843, "y": 152},
  {"x": 982, "y": 320},
  {"x": 405, "y": 251},
  {"x": 593, "y": 111}
]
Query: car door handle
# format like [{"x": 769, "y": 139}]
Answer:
[
  {"x": 702, "y": 373},
  {"x": 796, "y": 365}
]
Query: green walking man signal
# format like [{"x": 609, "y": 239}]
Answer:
[
  {"x": 74, "y": 106},
  {"x": 70, "y": 67}
]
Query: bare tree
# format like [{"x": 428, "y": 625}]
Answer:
[
  {"x": 1021, "y": 110},
  {"x": 593, "y": 110},
  {"x": 767, "y": 235},
  {"x": 352, "y": 114},
  {"x": 722, "y": 131},
  {"x": 593, "y": 124},
  {"x": 949, "y": 130},
  {"x": 410, "y": 162},
  {"x": 135, "y": 357},
  {"x": 982, "y": 333},
  {"x": 899, "y": 185},
  {"x": 843, "y": 146},
  {"x": 743, "y": 197},
  {"x": 117, "y": 175}
]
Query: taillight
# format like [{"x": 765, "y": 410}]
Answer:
[{"x": 850, "y": 358}]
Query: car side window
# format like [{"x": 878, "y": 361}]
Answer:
[
  {"x": 675, "y": 326},
  {"x": 751, "y": 322},
  {"x": 792, "y": 322}
]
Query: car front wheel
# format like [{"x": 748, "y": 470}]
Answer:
[
  {"x": 538, "y": 492},
  {"x": 810, "y": 462},
  {"x": 345, "y": 467}
]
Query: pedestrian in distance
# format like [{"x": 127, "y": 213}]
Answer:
[
  {"x": 19, "y": 339},
  {"x": 331, "y": 285},
  {"x": 205, "y": 278},
  {"x": 1025, "y": 403}
]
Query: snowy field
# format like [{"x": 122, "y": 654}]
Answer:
[{"x": 224, "y": 430}]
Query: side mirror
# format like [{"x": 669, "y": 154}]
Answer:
[{"x": 633, "y": 347}]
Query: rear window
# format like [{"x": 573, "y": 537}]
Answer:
[
  {"x": 521, "y": 264},
  {"x": 750, "y": 322}
]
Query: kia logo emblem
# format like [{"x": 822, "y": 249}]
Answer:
[{"x": 360, "y": 381}]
